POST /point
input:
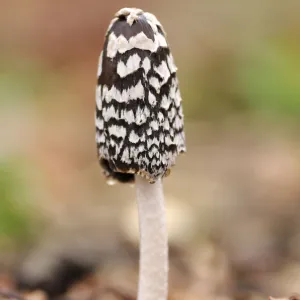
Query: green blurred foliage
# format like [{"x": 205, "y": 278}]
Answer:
[
  {"x": 269, "y": 80},
  {"x": 25, "y": 81},
  {"x": 16, "y": 218},
  {"x": 210, "y": 93}
]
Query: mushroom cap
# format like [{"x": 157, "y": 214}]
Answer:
[{"x": 139, "y": 118}]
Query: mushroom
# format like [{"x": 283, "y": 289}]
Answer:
[{"x": 139, "y": 130}]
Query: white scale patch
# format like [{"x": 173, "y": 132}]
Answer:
[
  {"x": 154, "y": 141},
  {"x": 160, "y": 117},
  {"x": 163, "y": 71},
  {"x": 178, "y": 123},
  {"x": 167, "y": 125},
  {"x": 118, "y": 131},
  {"x": 151, "y": 99},
  {"x": 152, "y": 152},
  {"x": 168, "y": 141},
  {"x": 178, "y": 98},
  {"x": 132, "y": 14},
  {"x": 161, "y": 137},
  {"x": 126, "y": 11},
  {"x": 109, "y": 113},
  {"x": 99, "y": 123},
  {"x": 132, "y": 65},
  {"x": 134, "y": 153},
  {"x": 133, "y": 137},
  {"x": 128, "y": 116},
  {"x": 142, "y": 115},
  {"x": 172, "y": 93},
  {"x": 172, "y": 114},
  {"x": 153, "y": 162},
  {"x": 125, "y": 156},
  {"x": 149, "y": 131},
  {"x": 179, "y": 139},
  {"x": 104, "y": 90},
  {"x": 100, "y": 64},
  {"x": 165, "y": 103},
  {"x": 146, "y": 65},
  {"x": 155, "y": 83},
  {"x": 140, "y": 41},
  {"x": 137, "y": 92},
  {"x": 98, "y": 97},
  {"x": 171, "y": 64},
  {"x": 100, "y": 138},
  {"x": 133, "y": 93},
  {"x": 154, "y": 125}
]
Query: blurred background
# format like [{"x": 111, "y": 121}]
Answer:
[{"x": 233, "y": 200}]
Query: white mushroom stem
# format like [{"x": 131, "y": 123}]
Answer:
[{"x": 154, "y": 265}]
